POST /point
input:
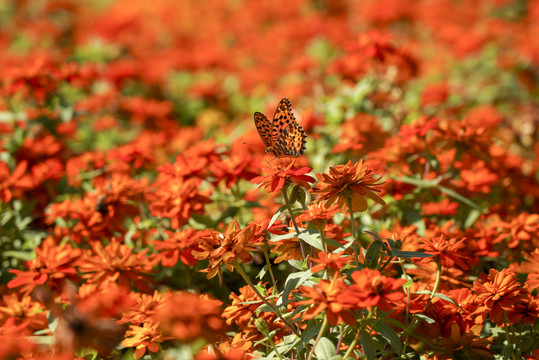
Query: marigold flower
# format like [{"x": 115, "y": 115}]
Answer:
[
  {"x": 283, "y": 176},
  {"x": 327, "y": 296},
  {"x": 350, "y": 182},
  {"x": 497, "y": 293},
  {"x": 142, "y": 338},
  {"x": 225, "y": 249},
  {"x": 371, "y": 288},
  {"x": 188, "y": 317}
]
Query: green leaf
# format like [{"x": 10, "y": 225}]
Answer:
[
  {"x": 325, "y": 349},
  {"x": 373, "y": 255},
  {"x": 425, "y": 318},
  {"x": 417, "y": 182},
  {"x": 472, "y": 217},
  {"x": 368, "y": 346},
  {"x": 312, "y": 237},
  {"x": 458, "y": 197},
  {"x": 276, "y": 215},
  {"x": 410, "y": 254},
  {"x": 413, "y": 217},
  {"x": 389, "y": 334},
  {"x": 293, "y": 281}
]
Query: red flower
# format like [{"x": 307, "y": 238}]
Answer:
[
  {"x": 449, "y": 251},
  {"x": 371, "y": 288},
  {"x": 53, "y": 265},
  {"x": 327, "y": 297},
  {"x": 353, "y": 182},
  {"x": 283, "y": 176},
  {"x": 496, "y": 294}
]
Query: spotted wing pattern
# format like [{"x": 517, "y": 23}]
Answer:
[
  {"x": 284, "y": 136},
  {"x": 263, "y": 125}
]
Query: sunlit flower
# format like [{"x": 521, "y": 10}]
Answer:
[
  {"x": 244, "y": 309},
  {"x": 142, "y": 338},
  {"x": 496, "y": 294},
  {"x": 334, "y": 261},
  {"x": 225, "y": 249},
  {"x": 10, "y": 180},
  {"x": 283, "y": 176},
  {"x": 350, "y": 182},
  {"x": 178, "y": 246},
  {"x": 54, "y": 264},
  {"x": 327, "y": 297},
  {"x": 449, "y": 251},
  {"x": 318, "y": 214},
  {"x": 116, "y": 263},
  {"x": 522, "y": 231},
  {"x": 177, "y": 198},
  {"x": 371, "y": 288}
]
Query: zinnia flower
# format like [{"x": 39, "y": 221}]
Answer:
[
  {"x": 350, "y": 182},
  {"x": 225, "y": 249},
  {"x": 282, "y": 177}
]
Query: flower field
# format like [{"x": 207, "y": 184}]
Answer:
[{"x": 275, "y": 179}]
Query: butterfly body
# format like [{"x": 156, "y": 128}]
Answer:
[{"x": 283, "y": 136}]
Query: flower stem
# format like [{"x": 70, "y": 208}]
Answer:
[
  {"x": 272, "y": 307},
  {"x": 266, "y": 256},
  {"x": 320, "y": 333},
  {"x": 287, "y": 202},
  {"x": 354, "y": 245}
]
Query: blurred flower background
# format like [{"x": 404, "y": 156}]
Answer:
[{"x": 128, "y": 145}]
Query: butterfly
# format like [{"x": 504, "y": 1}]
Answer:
[{"x": 283, "y": 136}]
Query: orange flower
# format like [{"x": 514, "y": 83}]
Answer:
[
  {"x": 16, "y": 179},
  {"x": 145, "y": 307},
  {"x": 521, "y": 231},
  {"x": 467, "y": 344},
  {"x": 530, "y": 267},
  {"x": 142, "y": 338},
  {"x": 318, "y": 214},
  {"x": 225, "y": 249},
  {"x": 188, "y": 317},
  {"x": 371, "y": 288},
  {"x": 282, "y": 177},
  {"x": 449, "y": 251},
  {"x": 53, "y": 265},
  {"x": 116, "y": 263},
  {"x": 327, "y": 296},
  {"x": 497, "y": 293},
  {"x": 330, "y": 261},
  {"x": 347, "y": 182},
  {"x": 177, "y": 198},
  {"x": 243, "y": 310},
  {"x": 178, "y": 246},
  {"x": 24, "y": 310}
]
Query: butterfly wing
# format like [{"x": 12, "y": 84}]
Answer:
[
  {"x": 282, "y": 118},
  {"x": 291, "y": 141},
  {"x": 263, "y": 125},
  {"x": 287, "y": 135}
]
